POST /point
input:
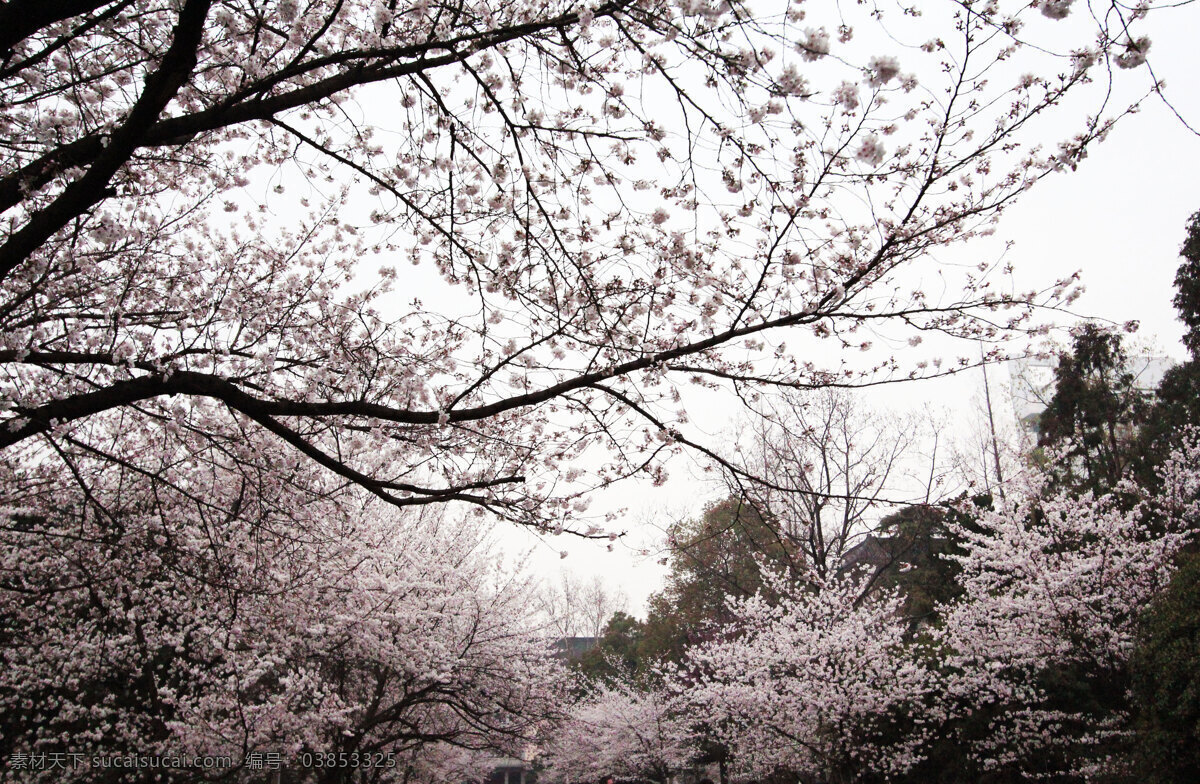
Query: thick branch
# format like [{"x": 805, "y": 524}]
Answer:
[
  {"x": 79, "y": 196},
  {"x": 21, "y": 18},
  {"x": 357, "y": 67}
]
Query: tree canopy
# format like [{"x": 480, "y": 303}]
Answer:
[
  {"x": 604, "y": 206},
  {"x": 1187, "y": 286},
  {"x": 1094, "y": 412},
  {"x": 1166, "y": 680}
]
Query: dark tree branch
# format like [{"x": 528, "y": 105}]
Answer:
[{"x": 81, "y": 195}]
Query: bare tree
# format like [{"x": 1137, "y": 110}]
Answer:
[
  {"x": 817, "y": 466},
  {"x": 577, "y": 608}
]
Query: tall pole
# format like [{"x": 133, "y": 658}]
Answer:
[{"x": 987, "y": 396}]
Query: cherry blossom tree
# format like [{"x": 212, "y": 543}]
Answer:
[
  {"x": 823, "y": 678},
  {"x": 812, "y": 683},
  {"x": 604, "y": 203},
  {"x": 153, "y": 623},
  {"x": 618, "y": 730},
  {"x": 1054, "y": 581},
  {"x": 597, "y": 206}
]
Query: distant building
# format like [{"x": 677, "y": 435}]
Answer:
[
  {"x": 510, "y": 770},
  {"x": 872, "y": 551},
  {"x": 574, "y": 648},
  {"x": 882, "y": 552}
]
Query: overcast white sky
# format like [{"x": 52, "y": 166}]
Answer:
[{"x": 1119, "y": 219}]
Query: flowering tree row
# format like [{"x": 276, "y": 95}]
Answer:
[
  {"x": 152, "y": 624},
  {"x": 822, "y": 678}
]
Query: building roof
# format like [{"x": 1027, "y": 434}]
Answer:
[{"x": 574, "y": 647}]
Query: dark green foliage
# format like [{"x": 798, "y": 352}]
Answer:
[
  {"x": 1176, "y": 406},
  {"x": 1165, "y": 669},
  {"x": 1177, "y": 402},
  {"x": 618, "y": 655},
  {"x": 917, "y": 540},
  {"x": 1187, "y": 286},
  {"x": 1094, "y": 413},
  {"x": 713, "y": 557}
]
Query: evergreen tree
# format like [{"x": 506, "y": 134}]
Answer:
[
  {"x": 1166, "y": 682},
  {"x": 918, "y": 541},
  {"x": 1187, "y": 286},
  {"x": 1094, "y": 412},
  {"x": 1177, "y": 403},
  {"x": 619, "y": 652}
]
